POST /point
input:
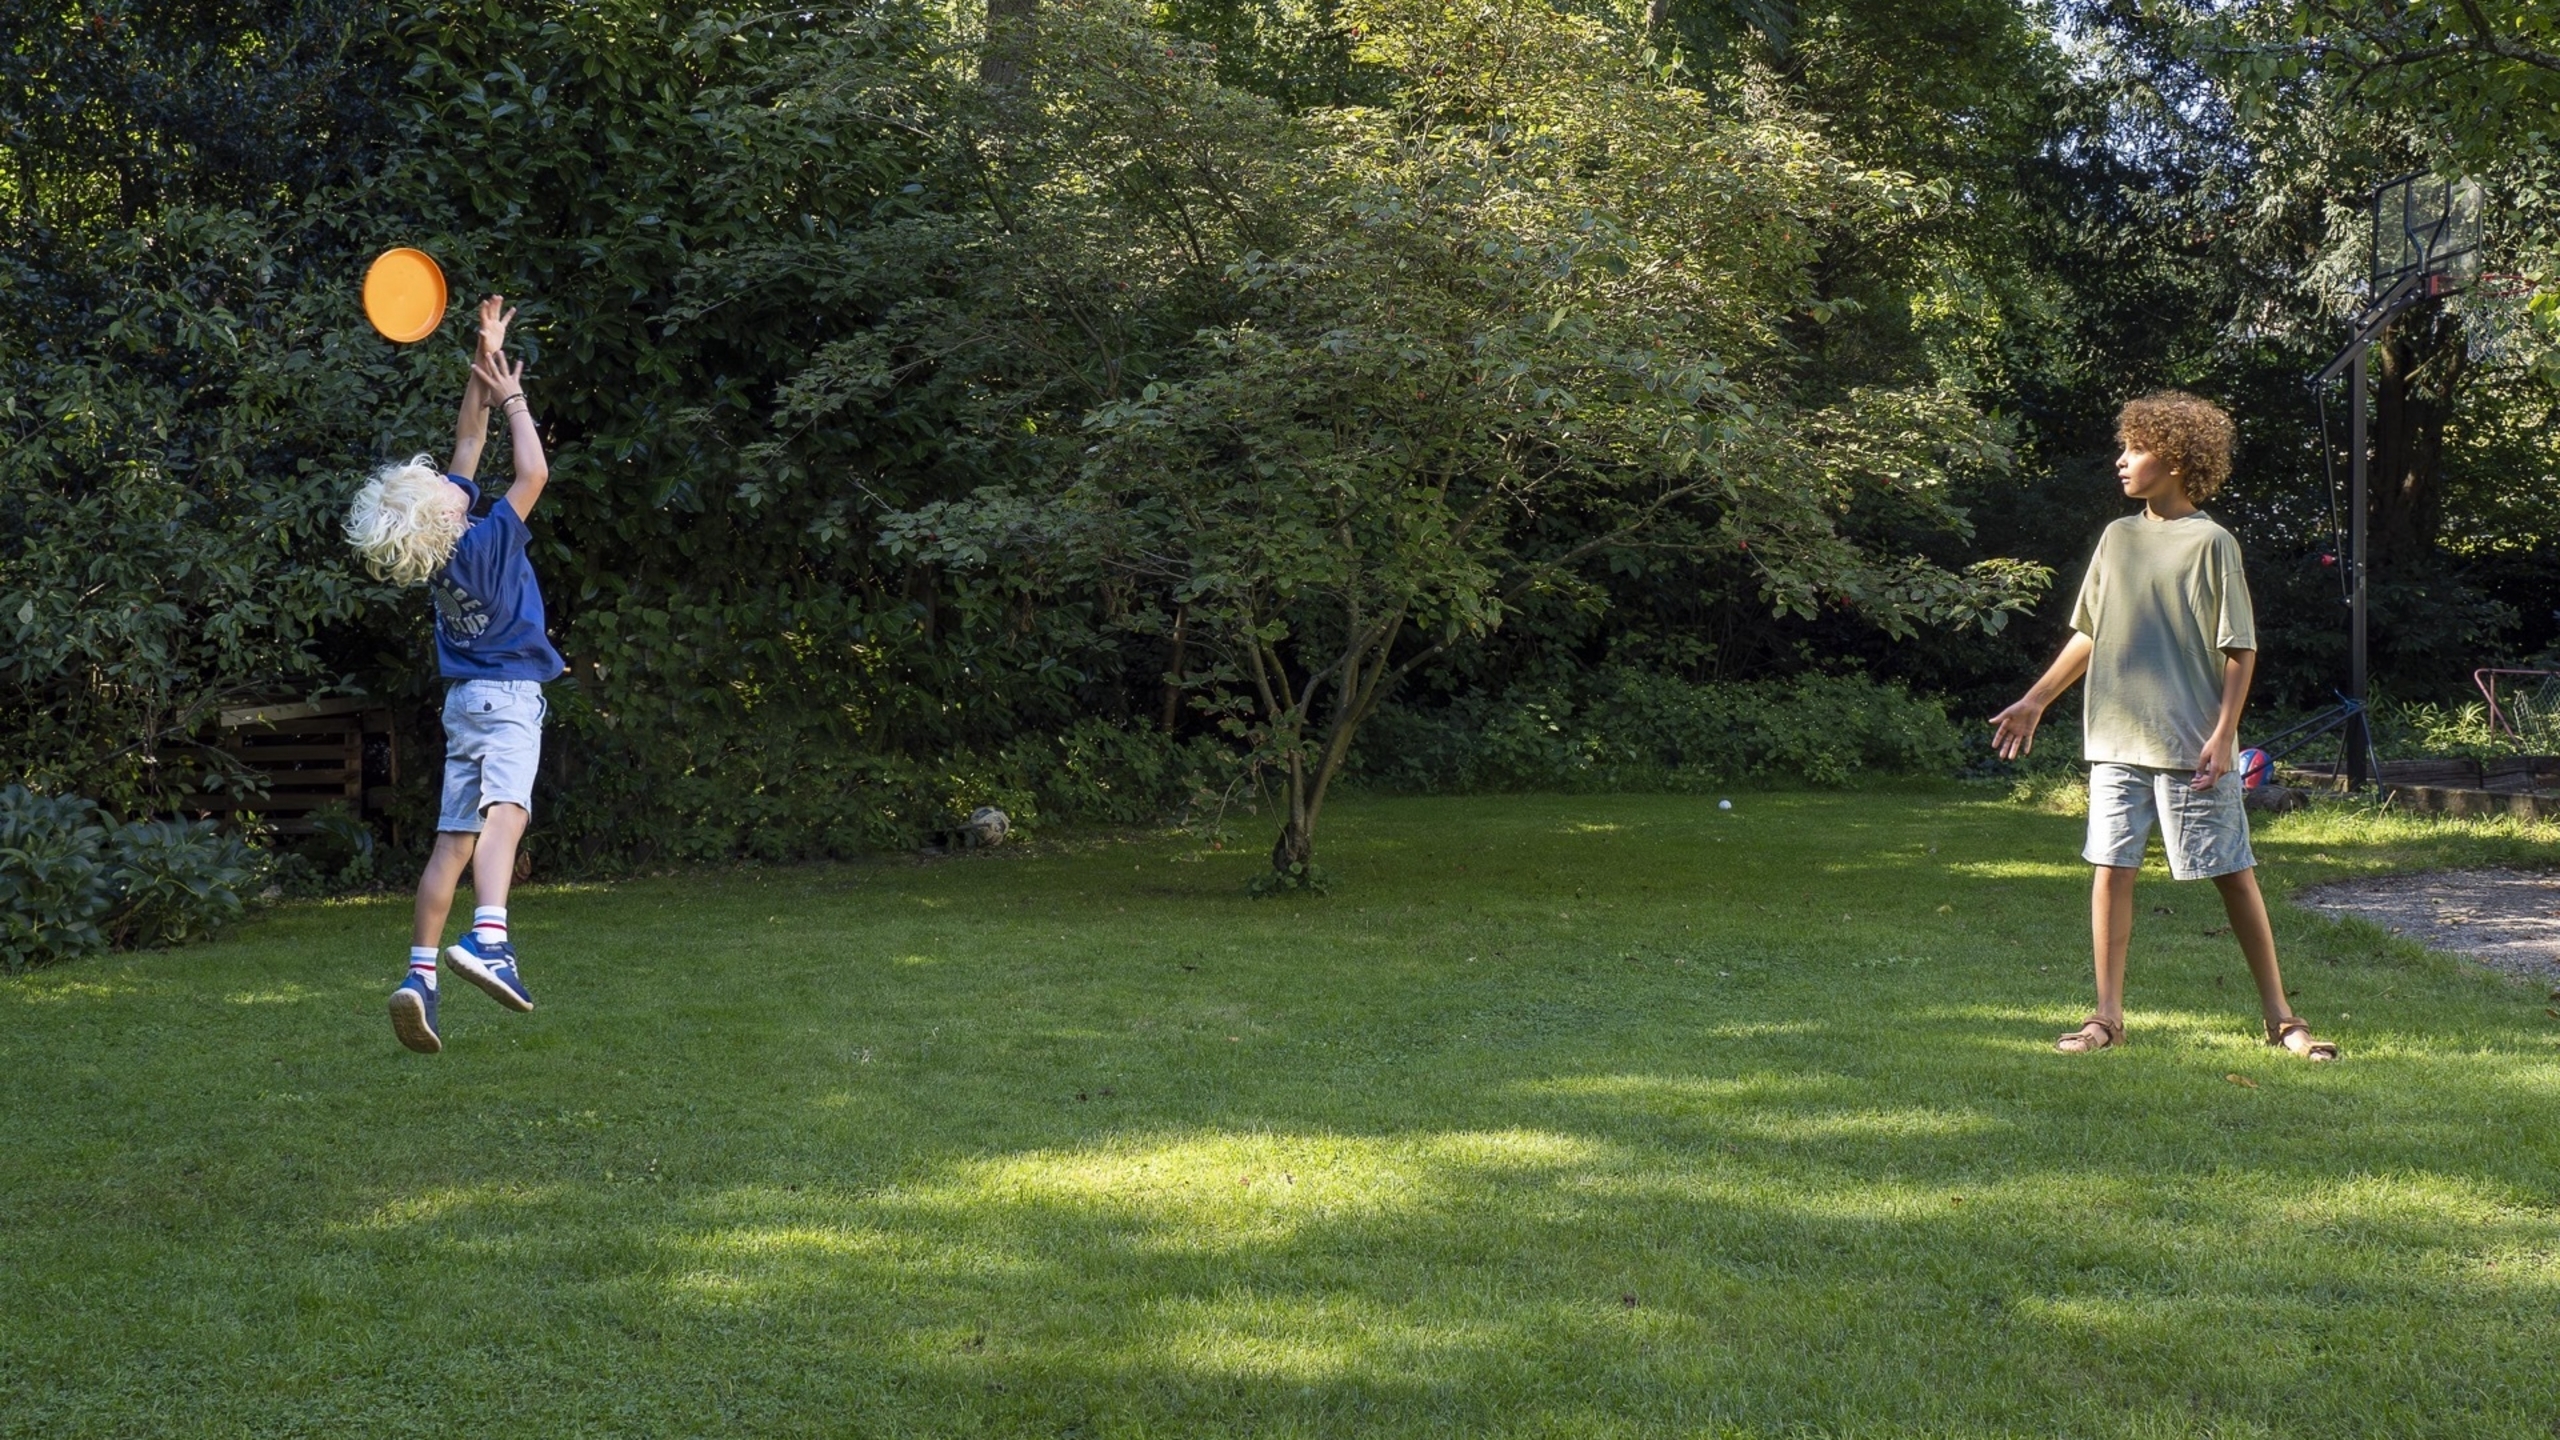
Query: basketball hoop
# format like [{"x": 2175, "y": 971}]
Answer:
[
  {"x": 2425, "y": 247},
  {"x": 2496, "y": 316}
]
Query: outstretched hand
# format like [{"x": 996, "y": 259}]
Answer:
[
  {"x": 500, "y": 378},
  {"x": 2013, "y": 731},
  {"x": 495, "y": 316}
]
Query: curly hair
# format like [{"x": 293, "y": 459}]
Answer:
[
  {"x": 404, "y": 521},
  {"x": 2189, "y": 432}
]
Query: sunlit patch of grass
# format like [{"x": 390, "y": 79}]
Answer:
[
  {"x": 57, "y": 987},
  {"x": 278, "y": 995},
  {"x": 2019, "y": 870},
  {"x": 2370, "y": 823},
  {"x": 1214, "y": 1190}
]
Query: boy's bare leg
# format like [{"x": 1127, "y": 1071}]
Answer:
[
  {"x": 2247, "y": 910},
  {"x": 2110, "y": 933},
  {"x": 494, "y": 868},
  {"x": 445, "y": 864}
]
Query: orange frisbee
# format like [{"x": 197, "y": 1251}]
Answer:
[{"x": 404, "y": 295}]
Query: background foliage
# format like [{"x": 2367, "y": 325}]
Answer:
[{"x": 798, "y": 284}]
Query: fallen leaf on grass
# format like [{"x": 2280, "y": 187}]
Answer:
[
  {"x": 1627, "y": 1300},
  {"x": 2243, "y": 1081},
  {"x": 1946, "y": 909},
  {"x": 2217, "y": 930},
  {"x": 2554, "y": 1014}
]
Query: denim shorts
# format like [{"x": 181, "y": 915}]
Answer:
[
  {"x": 492, "y": 742},
  {"x": 2206, "y": 832}
]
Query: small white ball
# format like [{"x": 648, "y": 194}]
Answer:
[{"x": 1724, "y": 804}]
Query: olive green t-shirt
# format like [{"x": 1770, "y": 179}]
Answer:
[{"x": 2162, "y": 600}]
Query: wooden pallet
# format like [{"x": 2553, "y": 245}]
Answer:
[{"x": 313, "y": 754}]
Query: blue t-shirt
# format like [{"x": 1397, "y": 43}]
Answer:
[{"x": 488, "y": 608}]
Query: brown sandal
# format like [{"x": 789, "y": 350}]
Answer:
[
  {"x": 2081, "y": 1042},
  {"x": 2313, "y": 1048}
]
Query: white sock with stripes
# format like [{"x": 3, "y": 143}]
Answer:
[
  {"x": 489, "y": 926},
  {"x": 422, "y": 961}
]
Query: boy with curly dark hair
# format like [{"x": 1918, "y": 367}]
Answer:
[{"x": 2164, "y": 632}]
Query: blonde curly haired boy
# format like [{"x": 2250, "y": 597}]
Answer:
[
  {"x": 415, "y": 524},
  {"x": 2165, "y": 634}
]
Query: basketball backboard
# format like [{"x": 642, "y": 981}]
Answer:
[{"x": 2426, "y": 225}]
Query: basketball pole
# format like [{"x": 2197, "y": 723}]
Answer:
[
  {"x": 2359, "y": 736},
  {"x": 2409, "y": 291}
]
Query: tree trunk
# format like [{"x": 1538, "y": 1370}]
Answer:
[
  {"x": 1173, "y": 671},
  {"x": 1293, "y": 854},
  {"x": 2419, "y": 363},
  {"x": 1296, "y": 846},
  {"x": 1008, "y": 29},
  {"x": 1364, "y": 680}
]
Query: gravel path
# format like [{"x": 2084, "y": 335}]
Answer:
[{"x": 2508, "y": 920}]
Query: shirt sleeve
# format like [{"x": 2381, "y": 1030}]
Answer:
[
  {"x": 2236, "y": 626},
  {"x": 2084, "y": 611},
  {"x": 480, "y": 559}
]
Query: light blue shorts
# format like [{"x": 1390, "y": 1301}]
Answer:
[
  {"x": 2206, "y": 832},
  {"x": 492, "y": 743}
]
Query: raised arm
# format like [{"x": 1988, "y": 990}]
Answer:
[
  {"x": 470, "y": 429},
  {"x": 2013, "y": 731},
  {"x": 503, "y": 379},
  {"x": 471, "y": 426}
]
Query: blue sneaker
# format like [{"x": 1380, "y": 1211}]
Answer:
[
  {"x": 413, "y": 1015},
  {"x": 492, "y": 969}
]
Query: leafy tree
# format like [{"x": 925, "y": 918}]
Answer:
[
  {"x": 1543, "y": 282},
  {"x": 175, "y": 376}
]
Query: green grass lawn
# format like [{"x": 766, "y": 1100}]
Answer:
[{"x": 1562, "y": 1116}]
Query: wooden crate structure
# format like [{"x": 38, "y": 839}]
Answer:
[
  {"x": 2525, "y": 786},
  {"x": 314, "y": 753}
]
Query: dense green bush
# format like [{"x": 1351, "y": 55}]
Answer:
[
  {"x": 71, "y": 884},
  {"x": 175, "y": 880},
  {"x": 2418, "y": 730},
  {"x": 54, "y": 895},
  {"x": 801, "y": 794},
  {"x": 1629, "y": 729}
]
